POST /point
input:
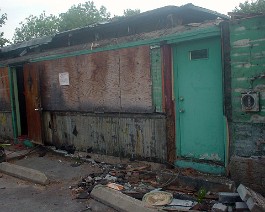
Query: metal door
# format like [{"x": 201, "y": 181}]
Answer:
[
  {"x": 33, "y": 102},
  {"x": 199, "y": 102}
]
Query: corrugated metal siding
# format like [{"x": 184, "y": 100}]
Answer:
[
  {"x": 5, "y": 104},
  {"x": 247, "y": 61},
  {"x": 6, "y": 130},
  {"x": 156, "y": 73},
  {"x": 110, "y": 81},
  {"x": 140, "y": 136}
]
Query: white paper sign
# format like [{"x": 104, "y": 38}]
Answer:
[{"x": 64, "y": 78}]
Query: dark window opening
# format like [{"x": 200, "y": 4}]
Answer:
[{"x": 199, "y": 54}]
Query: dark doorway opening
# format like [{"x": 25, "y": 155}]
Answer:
[{"x": 22, "y": 101}]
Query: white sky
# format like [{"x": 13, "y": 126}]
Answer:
[{"x": 18, "y": 10}]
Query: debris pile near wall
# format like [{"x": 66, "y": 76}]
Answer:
[
  {"x": 168, "y": 189},
  {"x": 163, "y": 189}
]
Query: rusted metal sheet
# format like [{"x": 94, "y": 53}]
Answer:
[
  {"x": 110, "y": 81},
  {"x": 5, "y": 104},
  {"x": 138, "y": 136},
  {"x": 33, "y": 102},
  {"x": 6, "y": 130},
  {"x": 169, "y": 103}
]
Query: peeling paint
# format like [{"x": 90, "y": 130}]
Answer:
[
  {"x": 241, "y": 28},
  {"x": 244, "y": 65},
  {"x": 241, "y": 79},
  {"x": 242, "y": 43},
  {"x": 212, "y": 156},
  {"x": 257, "y": 118}
]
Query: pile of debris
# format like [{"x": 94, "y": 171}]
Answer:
[
  {"x": 245, "y": 199},
  {"x": 162, "y": 189}
]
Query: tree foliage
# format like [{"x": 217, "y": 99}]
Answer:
[
  {"x": 130, "y": 12},
  {"x": 127, "y": 13},
  {"x": 257, "y": 6},
  {"x": 82, "y": 15},
  {"x": 77, "y": 16},
  {"x": 36, "y": 26},
  {"x": 3, "y": 18}
]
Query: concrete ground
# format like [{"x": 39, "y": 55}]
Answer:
[{"x": 18, "y": 195}]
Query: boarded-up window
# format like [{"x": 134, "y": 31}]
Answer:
[{"x": 109, "y": 81}]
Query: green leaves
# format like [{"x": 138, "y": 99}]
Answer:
[
  {"x": 3, "y": 40},
  {"x": 247, "y": 7},
  {"x": 34, "y": 27},
  {"x": 80, "y": 15}
]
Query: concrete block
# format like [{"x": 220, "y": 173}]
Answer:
[
  {"x": 219, "y": 207},
  {"x": 24, "y": 173},
  {"x": 243, "y": 192},
  {"x": 254, "y": 201},
  {"x": 119, "y": 201},
  {"x": 255, "y": 204},
  {"x": 229, "y": 197},
  {"x": 241, "y": 207}
]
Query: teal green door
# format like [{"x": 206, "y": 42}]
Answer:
[{"x": 199, "y": 103}]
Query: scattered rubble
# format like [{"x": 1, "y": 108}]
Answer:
[{"x": 161, "y": 188}]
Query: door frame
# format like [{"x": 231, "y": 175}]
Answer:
[
  {"x": 200, "y": 166},
  {"x": 14, "y": 99}
]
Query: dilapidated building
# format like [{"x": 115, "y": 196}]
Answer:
[{"x": 157, "y": 86}]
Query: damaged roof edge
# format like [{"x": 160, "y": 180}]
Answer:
[
  {"x": 167, "y": 9},
  {"x": 33, "y": 42},
  {"x": 201, "y": 9}
]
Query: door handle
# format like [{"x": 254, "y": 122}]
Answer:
[
  {"x": 38, "y": 109},
  {"x": 181, "y": 110}
]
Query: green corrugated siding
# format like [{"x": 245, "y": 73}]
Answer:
[
  {"x": 247, "y": 61},
  {"x": 156, "y": 78}
]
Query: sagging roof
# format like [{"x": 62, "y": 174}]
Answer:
[{"x": 165, "y": 17}]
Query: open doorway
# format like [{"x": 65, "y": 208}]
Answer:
[{"x": 21, "y": 102}]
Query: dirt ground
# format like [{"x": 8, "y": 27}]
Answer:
[{"x": 18, "y": 195}]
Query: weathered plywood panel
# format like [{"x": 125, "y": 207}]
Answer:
[
  {"x": 110, "y": 81},
  {"x": 55, "y": 96},
  {"x": 99, "y": 81},
  {"x": 139, "y": 136},
  {"x": 6, "y": 130},
  {"x": 135, "y": 79},
  {"x": 156, "y": 73},
  {"x": 5, "y": 104}
]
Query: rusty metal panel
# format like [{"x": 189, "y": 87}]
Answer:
[
  {"x": 110, "y": 81},
  {"x": 33, "y": 102},
  {"x": 5, "y": 104},
  {"x": 139, "y": 136},
  {"x": 6, "y": 130}
]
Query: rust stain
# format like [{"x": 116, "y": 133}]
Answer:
[
  {"x": 33, "y": 101},
  {"x": 5, "y": 103},
  {"x": 168, "y": 103}
]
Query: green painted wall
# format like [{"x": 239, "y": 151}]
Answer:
[
  {"x": 156, "y": 74},
  {"x": 247, "y": 37}
]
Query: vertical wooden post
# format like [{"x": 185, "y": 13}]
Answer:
[{"x": 168, "y": 103}]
